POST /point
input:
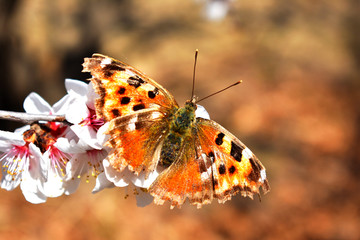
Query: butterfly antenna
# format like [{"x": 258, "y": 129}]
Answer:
[
  {"x": 232, "y": 85},
  {"x": 193, "y": 86}
]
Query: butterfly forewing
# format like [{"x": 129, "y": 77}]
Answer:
[
  {"x": 123, "y": 89},
  {"x": 136, "y": 107}
]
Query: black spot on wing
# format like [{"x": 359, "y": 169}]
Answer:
[
  {"x": 255, "y": 173},
  {"x": 232, "y": 169},
  {"x": 152, "y": 94},
  {"x": 116, "y": 112},
  {"x": 135, "y": 81},
  {"x": 102, "y": 92},
  {"x": 236, "y": 151},
  {"x": 202, "y": 166},
  {"x": 112, "y": 142},
  {"x": 138, "y": 107},
  {"x": 219, "y": 139},
  {"x": 121, "y": 90},
  {"x": 215, "y": 183},
  {"x": 140, "y": 125},
  {"x": 110, "y": 69},
  {"x": 211, "y": 156},
  {"x": 125, "y": 100},
  {"x": 113, "y": 67},
  {"x": 222, "y": 169}
]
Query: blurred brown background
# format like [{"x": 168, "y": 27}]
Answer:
[{"x": 297, "y": 109}]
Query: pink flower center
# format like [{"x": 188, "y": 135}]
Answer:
[
  {"x": 92, "y": 120},
  {"x": 57, "y": 129},
  {"x": 14, "y": 161},
  {"x": 58, "y": 159}
]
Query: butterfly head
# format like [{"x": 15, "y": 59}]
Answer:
[
  {"x": 190, "y": 105},
  {"x": 192, "y": 101}
]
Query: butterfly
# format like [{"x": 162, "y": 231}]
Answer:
[{"x": 202, "y": 161}]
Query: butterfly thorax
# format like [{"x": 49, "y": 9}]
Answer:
[{"x": 181, "y": 125}]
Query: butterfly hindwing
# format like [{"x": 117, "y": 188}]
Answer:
[
  {"x": 123, "y": 89},
  {"x": 235, "y": 169},
  {"x": 188, "y": 177},
  {"x": 136, "y": 140}
]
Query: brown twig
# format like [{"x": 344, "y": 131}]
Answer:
[{"x": 30, "y": 118}]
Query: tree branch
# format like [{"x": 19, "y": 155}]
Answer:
[{"x": 30, "y": 118}]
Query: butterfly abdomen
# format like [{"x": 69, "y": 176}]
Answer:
[{"x": 180, "y": 129}]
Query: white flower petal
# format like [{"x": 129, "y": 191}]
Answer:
[
  {"x": 5, "y": 146},
  {"x": 81, "y": 143},
  {"x": 33, "y": 103},
  {"x": 201, "y": 112},
  {"x": 101, "y": 136},
  {"x": 88, "y": 163},
  {"x": 8, "y": 182},
  {"x": 91, "y": 96},
  {"x": 71, "y": 186},
  {"x": 120, "y": 179},
  {"x": 22, "y": 129},
  {"x": 61, "y": 107},
  {"x": 39, "y": 163},
  {"x": 34, "y": 197},
  {"x": 64, "y": 145},
  {"x": 54, "y": 186},
  {"x": 14, "y": 138},
  {"x": 140, "y": 180},
  {"x": 28, "y": 183},
  {"x": 77, "y": 166},
  {"x": 77, "y": 112},
  {"x": 87, "y": 134},
  {"x": 101, "y": 183},
  {"x": 76, "y": 87},
  {"x": 32, "y": 188},
  {"x": 8, "y": 139}
]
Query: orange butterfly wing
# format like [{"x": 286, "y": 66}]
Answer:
[
  {"x": 136, "y": 141},
  {"x": 235, "y": 168},
  {"x": 187, "y": 177},
  {"x": 136, "y": 107},
  {"x": 123, "y": 89},
  {"x": 213, "y": 164}
]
